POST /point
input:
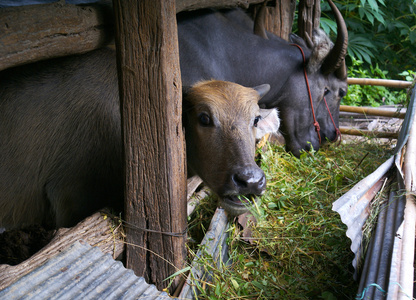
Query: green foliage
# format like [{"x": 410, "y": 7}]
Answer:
[
  {"x": 374, "y": 95},
  {"x": 380, "y": 31}
]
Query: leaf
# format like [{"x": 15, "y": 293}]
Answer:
[
  {"x": 235, "y": 283},
  {"x": 328, "y": 25},
  {"x": 246, "y": 221},
  {"x": 328, "y": 296},
  {"x": 412, "y": 36},
  {"x": 370, "y": 17},
  {"x": 184, "y": 270},
  {"x": 373, "y": 4},
  {"x": 379, "y": 17},
  {"x": 382, "y": 2},
  {"x": 361, "y": 11},
  {"x": 218, "y": 290}
]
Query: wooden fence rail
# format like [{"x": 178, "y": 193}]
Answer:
[{"x": 380, "y": 82}]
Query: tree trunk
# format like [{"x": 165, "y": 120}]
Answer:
[
  {"x": 279, "y": 19},
  {"x": 151, "y": 109},
  {"x": 308, "y": 17}
]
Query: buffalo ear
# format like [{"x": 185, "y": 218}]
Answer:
[
  {"x": 268, "y": 123},
  {"x": 262, "y": 89},
  {"x": 295, "y": 39}
]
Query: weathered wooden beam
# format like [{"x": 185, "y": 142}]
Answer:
[
  {"x": 97, "y": 230},
  {"x": 186, "y": 5},
  {"x": 151, "y": 110},
  {"x": 214, "y": 246},
  {"x": 35, "y": 32}
]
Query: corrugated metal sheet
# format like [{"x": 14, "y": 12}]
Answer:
[
  {"x": 81, "y": 272},
  {"x": 354, "y": 206},
  {"x": 376, "y": 279},
  {"x": 388, "y": 268}
]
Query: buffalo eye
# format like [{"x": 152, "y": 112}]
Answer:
[
  {"x": 204, "y": 119},
  {"x": 256, "y": 120},
  {"x": 342, "y": 93},
  {"x": 326, "y": 92}
]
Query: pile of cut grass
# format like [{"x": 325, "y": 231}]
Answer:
[{"x": 298, "y": 248}]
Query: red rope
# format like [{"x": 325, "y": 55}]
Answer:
[
  {"x": 333, "y": 122},
  {"x": 315, "y": 122}
]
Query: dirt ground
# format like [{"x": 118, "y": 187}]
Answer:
[{"x": 18, "y": 245}]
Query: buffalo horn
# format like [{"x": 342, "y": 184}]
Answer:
[
  {"x": 334, "y": 61},
  {"x": 308, "y": 40}
]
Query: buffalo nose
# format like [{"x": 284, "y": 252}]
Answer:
[{"x": 250, "y": 181}]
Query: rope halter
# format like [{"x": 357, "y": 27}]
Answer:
[{"x": 315, "y": 122}]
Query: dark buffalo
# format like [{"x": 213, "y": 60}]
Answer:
[
  {"x": 222, "y": 45},
  {"x": 60, "y": 133}
]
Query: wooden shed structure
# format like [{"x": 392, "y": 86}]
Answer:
[
  {"x": 151, "y": 104},
  {"x": 150, "y": 94}
]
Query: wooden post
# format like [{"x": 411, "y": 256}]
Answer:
[
  {"x": 279, "y": 19},
  {"x": 151, "y": 108},
  {"x": 308, "y": 17}
]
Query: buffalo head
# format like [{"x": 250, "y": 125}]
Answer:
[
  {"x": 324, "y": 65},
  {"x": 222, "y": 122}
]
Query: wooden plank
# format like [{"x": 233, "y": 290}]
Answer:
[
  {"x": 36, "y": 32},
  {"x": 373, "y": 111},
  {"x": 187, "y": 5},
  {"x": 151, "y": 109},
  {"x": 97, "y": 230},
  {"x": 213, "y": 245},
  {"x": 380, "y": 82}
]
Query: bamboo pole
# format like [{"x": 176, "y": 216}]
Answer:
[
  {"x": 380, "y": 82},
  {"x": 373, "y": 111},
  {"x": 376, "y": 134}
]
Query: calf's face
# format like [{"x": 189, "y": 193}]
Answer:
[{"x": 222, "y": 120}]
